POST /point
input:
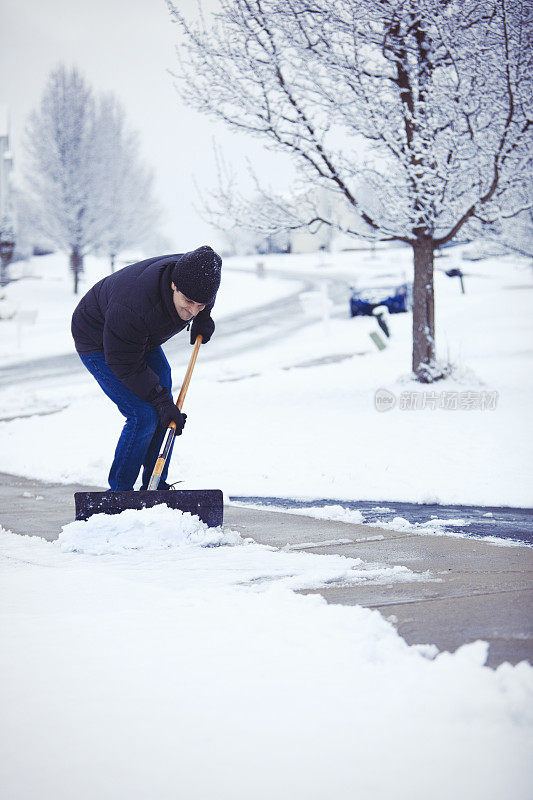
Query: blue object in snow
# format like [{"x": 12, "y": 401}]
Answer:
[{"x": 396, "y": 298}]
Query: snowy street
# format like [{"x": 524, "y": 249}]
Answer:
[{"x": 152, "y": 653}]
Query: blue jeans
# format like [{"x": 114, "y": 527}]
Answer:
[{"x": 142, "y": 436}]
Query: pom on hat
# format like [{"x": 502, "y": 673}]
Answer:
[{"x": 197, "y": 274}]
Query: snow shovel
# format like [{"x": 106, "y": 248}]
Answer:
[{"x": 208, "y": 504}]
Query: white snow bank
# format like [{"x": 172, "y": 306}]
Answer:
[
  {"x": 164, "y": 672},
  {"x": 403, "y": 524},
  {"x": 335, "y": 513},
  {"x": 157, "y": 528}
]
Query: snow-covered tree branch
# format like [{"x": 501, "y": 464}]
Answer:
[{"x": 414, "y": 115}]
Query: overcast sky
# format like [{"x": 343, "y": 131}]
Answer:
[{"x": 127, "y": 46}]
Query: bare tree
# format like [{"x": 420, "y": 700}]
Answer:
[
  {"x": 131, "y": 211},
  {"x": 415, "y": 113},
  {"x": 86, "y": 188},
  {"x": 64, "y": 175}
]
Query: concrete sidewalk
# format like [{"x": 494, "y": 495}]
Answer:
[{"x": 475, "y": 591}]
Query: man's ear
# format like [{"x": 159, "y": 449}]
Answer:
[{"x": 173, "y": 286}]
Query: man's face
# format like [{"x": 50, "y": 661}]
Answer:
[{"x": 186, "y": 308}]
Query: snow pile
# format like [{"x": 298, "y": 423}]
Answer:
[
  {"x": 439, "y": 527},
  {"x": 165, "y": 668},
  {"x": 435, "y": 526},
  {"x": 436, "y": 522},
  {"x": 332, "y": 512},
  {"x": 154, "y": 528},
  {"x": 335, "y": 513},
  {"x": 161, "y": 536}
]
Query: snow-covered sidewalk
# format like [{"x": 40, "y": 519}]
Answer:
[{"x": 151, "y": 657}]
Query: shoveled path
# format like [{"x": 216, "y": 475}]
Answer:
[{"x": 475, "y": 590}]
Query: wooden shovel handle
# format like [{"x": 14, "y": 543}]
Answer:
[
  {"x": 160, "y": 463},
  {"x": 188, "y": 374}
]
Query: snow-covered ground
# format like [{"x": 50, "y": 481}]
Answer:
[
  {"x": 150, "y": 657},
  {"x": 146, "y": 656},
  {"x": 297, "y": 417},
  {"x": 36, "y": 311}
]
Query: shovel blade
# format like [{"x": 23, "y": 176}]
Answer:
[{"x": 208, "y": 504}]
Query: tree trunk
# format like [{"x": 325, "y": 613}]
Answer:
[
  {"x": 424, "y": 312},
  {"x": 112, "y": 257},
  {"x": 76, "y": 265},
  {"x": 3, "y": 270}
]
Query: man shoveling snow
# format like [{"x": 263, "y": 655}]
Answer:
[{"x": 118, "y": 329}]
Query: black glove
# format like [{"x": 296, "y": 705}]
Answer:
[
  {"x": 202, "y": 323},
  {"x": 168, "y": 411}
]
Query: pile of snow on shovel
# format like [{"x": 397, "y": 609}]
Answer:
[{"x": 154, "y": 528}]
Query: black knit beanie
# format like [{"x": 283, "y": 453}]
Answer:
[{"x": 197, "y": 274}]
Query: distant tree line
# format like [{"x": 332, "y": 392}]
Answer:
[{"x": 86, "y": 188}]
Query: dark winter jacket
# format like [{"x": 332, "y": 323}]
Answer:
[{"x": 126, "y": 315}]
